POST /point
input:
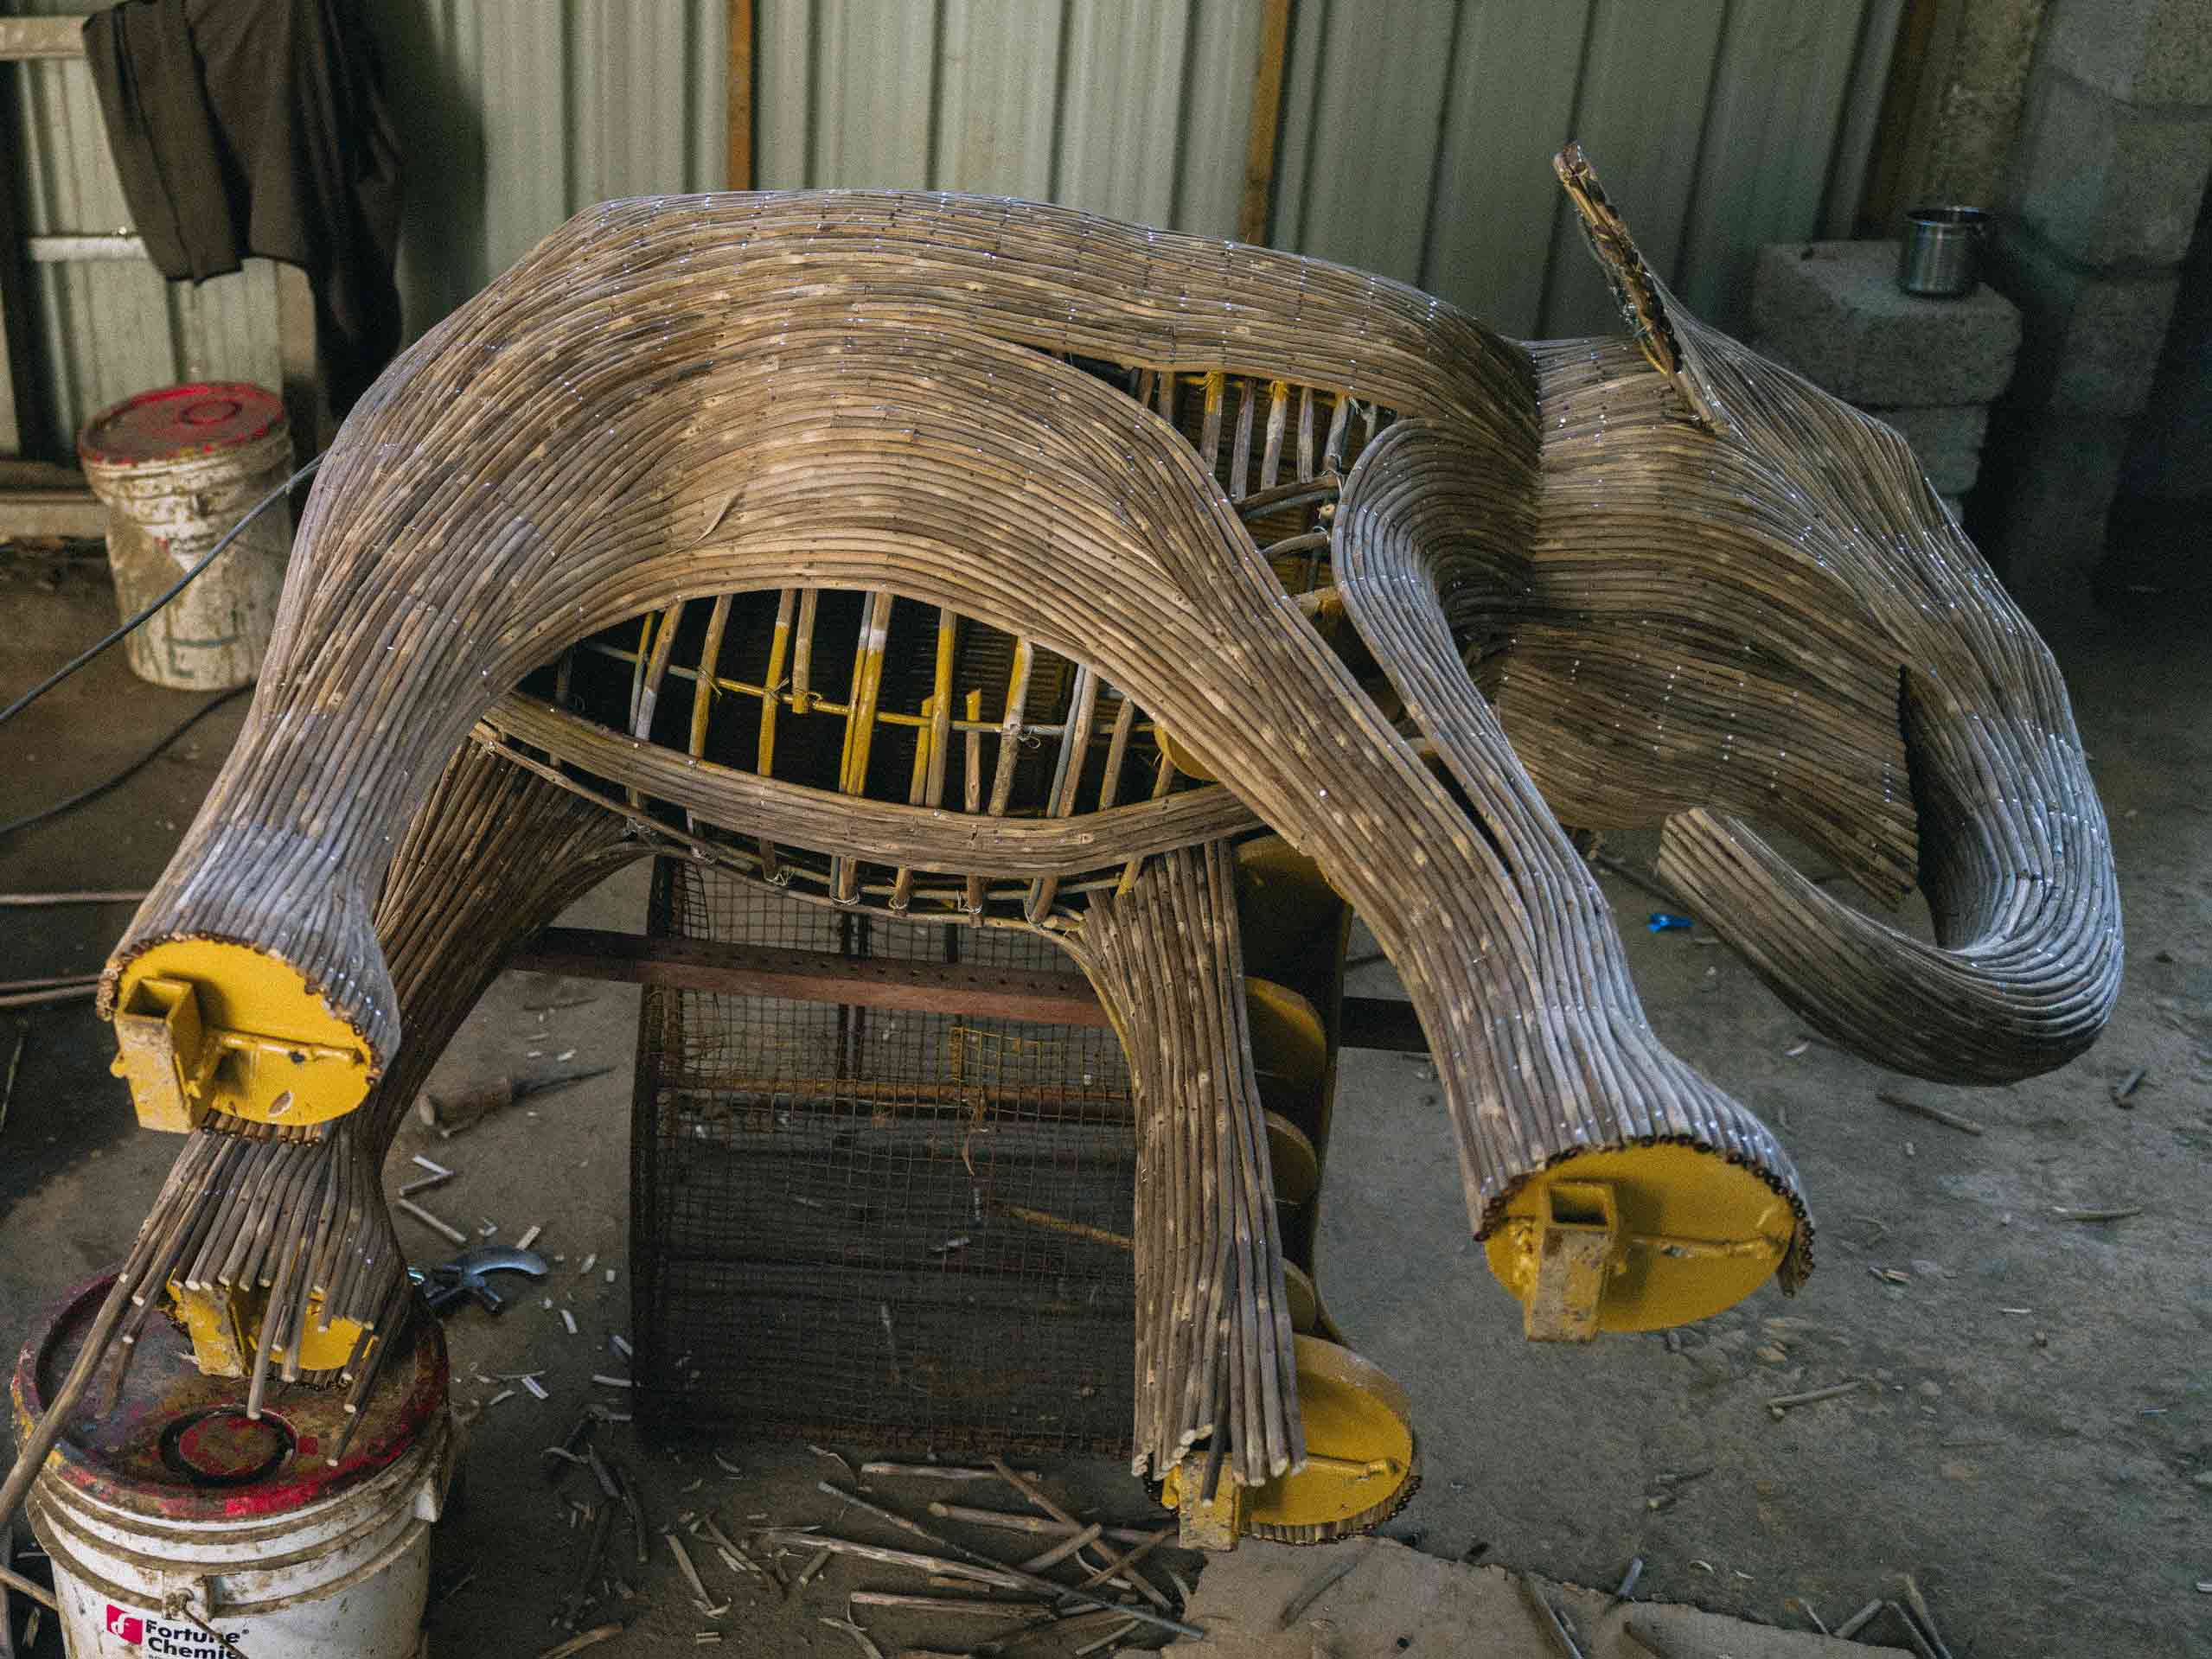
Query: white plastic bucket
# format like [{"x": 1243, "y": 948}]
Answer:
[
  {"x": 290, "y": 1559},
  {"x": 176, "y": 469}
]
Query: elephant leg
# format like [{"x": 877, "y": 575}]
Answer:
[
  {"x": 1684, "y": 1200},
  {"x": 494, "y": 854},
  {"x": 1214, "y": 1353},
  {"x": 282, "y": 1252}
]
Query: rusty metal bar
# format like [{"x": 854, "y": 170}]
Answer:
[{"x": 1038, "y": 996}]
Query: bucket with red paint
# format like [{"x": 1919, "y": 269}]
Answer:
[
  {"x": 181, "y": 1528},
  {"x": 176, "y": 469}
]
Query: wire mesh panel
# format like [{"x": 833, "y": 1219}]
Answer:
[{"x": 907, "y": 1227}]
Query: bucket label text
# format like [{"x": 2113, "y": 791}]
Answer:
[{"x": 167, "y": 1640}]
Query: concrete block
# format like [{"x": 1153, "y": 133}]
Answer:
[
  {"x": 2042, "y": 504},
  {"x": 1833, "y": 312},
  {"x": 1978, "y": 115},
  {"x": 2171, "y": 457},
  {"x": 1946, "y": 440},
  {"x": 2156, "y": 557},
  {"x": 2145, "y": 51},
  {"x": 2105, "y": 182},
  {"x": 2091, "y": 341}
]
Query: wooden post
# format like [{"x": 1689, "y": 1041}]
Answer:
[
  {"x": 307, "y": 407},
  {"x": 737, "y": 175},
  {"x": 22, "y": 40},
  {"x": 1927, "y": 40},
  {"x": 16, "y": 390},
  {"x": 1267, "y": 117}
]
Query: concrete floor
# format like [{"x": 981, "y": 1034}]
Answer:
[{"x": 2038, "y": 1449}]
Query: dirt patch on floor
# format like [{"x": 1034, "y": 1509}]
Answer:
[{"x": 2033, "y": 1437}]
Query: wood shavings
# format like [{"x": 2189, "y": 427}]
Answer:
[
  {"x": 577, "y": 1643},
  {"x": 707, "y": 1604},
  {"x": 1780, "y": 1403},
  {"x": 938, "y": 1472},
  {"x": 1933, "y": 1114},
  {"x": 866, "y": 1643}
]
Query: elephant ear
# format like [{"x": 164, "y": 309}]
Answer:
[{"x": 1643, "y": 301}]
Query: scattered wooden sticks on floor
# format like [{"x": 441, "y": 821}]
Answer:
[{"x": 1933, "y": 1114}]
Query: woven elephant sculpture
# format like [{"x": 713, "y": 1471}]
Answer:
[{"x": 1296, "y": 547}]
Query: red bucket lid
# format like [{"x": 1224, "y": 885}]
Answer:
[
  {"x": 180, "y": 421},
  {"x": 179, "y": 1445}
]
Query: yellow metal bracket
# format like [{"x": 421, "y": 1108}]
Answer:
[
  {"x": 1637, "y": 1238},
  {"x": 162, "y": 1049},
  {"x": 1361, "y": 1463},
  {"x": 225, "y": 1326},
  {"x": 1578, "y": 1242},
  {"x": 1212, "y": 1523},
  {"x": 204, "y": 1026}
]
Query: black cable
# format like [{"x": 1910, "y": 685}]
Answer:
[
  {"x": 128, "y": 772},
  {"x": 182, "y": 583}
]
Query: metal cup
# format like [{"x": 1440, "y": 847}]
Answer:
[{"x": 1940, "y": 257}]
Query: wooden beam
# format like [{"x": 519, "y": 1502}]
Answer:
[
  {"x": 18, "y": 391},
  {"x": 1266, "y": 119},
  {"x": 1040, "y": 996},
  {"x": 22, "y": 39},
  {"x": 738, "y": 96},
  {"x": 75, "y": 513},
  {"x": 1926, "y": 41},
  {"x": 18, "y": 474},
  {"x": 77, "y": 248},
  {"x": 307, "y": 402}
]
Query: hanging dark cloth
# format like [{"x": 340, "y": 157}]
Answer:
[{"x": 257, "y": 127}]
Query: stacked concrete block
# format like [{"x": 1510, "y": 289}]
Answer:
[
  {"x": 2098, "y": 203},
  {"x": 1833, "y": 312},
  {"x": 2161, "y": 551},
  {"x": 2171, "y": 456}
]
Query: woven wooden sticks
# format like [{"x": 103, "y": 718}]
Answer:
[
  {"x": 2015, "y": 858},
  {"x": 278, "y": 1237},
  {"x": 1214, "y": 1356},
  {"x": 1688, "y": 585}
]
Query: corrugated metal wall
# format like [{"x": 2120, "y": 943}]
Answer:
[
  {"x": 105, "y": 329},
  {"x": 1415, "y": 140},
  {"x": 516, "y": 114},
  {"x": 1136, "y": 110},
  {"x": 1417, "y": 135}
]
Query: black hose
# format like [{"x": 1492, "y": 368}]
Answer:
[
  {"x": 130, "y": 771},
  {"x": 139, "y": 621}
]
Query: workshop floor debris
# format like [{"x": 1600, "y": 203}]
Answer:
[
  {"x": 2021, "y": 1415},
  {"x": 1276, "y": 1601}
]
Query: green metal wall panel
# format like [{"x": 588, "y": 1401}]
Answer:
[{"x": 1415, "y": 140}]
